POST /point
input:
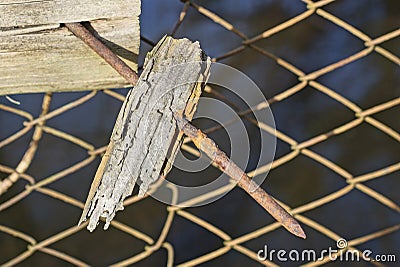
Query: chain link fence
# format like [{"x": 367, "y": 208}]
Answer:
[{"x": 41, "y": 202}]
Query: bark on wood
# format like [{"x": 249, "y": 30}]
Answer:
[
  {"x": 145, "y": 138},
  {"x": 37, "y": 55}
]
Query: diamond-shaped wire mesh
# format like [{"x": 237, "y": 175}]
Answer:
[{"x": 330, "y": 71}]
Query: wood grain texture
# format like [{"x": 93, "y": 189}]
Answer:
[
  {"x": 37, "y": 55},
  {"x": 40, "y": 12},
  {"x": 145, "y": 138}
]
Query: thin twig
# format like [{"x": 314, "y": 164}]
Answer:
[
  {"x": 103, "y": 51},
  {"x": 12, "y": 100},
  {"x": 226, "y": 165}
]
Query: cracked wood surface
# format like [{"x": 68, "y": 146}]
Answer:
[
  {"x": 37, "y": 54},
  {"x": 145, "y": 138},
  {"x": 15, "y": 13}
]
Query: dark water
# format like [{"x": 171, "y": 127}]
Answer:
[{"x": 309, "y": 45}]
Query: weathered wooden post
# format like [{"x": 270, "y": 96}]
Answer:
[{"x": 37, "y": 54}]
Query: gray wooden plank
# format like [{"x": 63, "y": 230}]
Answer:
[
  {"x": 50, "y": 58},
  {"x": 38, "y": 12}
]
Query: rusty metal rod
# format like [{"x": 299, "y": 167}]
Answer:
[{"x": 227, "y": 166}]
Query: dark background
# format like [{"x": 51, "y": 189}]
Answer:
[{"x": 309, "y": 45}]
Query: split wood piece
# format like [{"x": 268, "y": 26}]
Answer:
[
  {"x": 145, "y": 138},
  {"x": 226, "y": 165}
]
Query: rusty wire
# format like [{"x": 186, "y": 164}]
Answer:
[{"x": 17, "y": 174}]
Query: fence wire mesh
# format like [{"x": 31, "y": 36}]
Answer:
[{"x": 23, "y": 188}]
